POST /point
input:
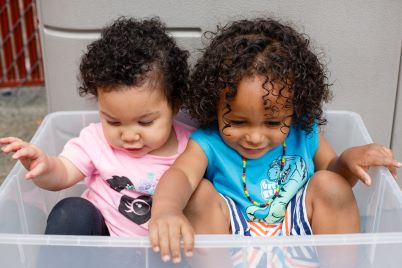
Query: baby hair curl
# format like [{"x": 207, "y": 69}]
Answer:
[
  {"x": 131, "y": 52},
  {"x": 263, "y": 47}
]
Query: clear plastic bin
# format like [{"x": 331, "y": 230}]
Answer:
[{"x": 24, "y": 209}]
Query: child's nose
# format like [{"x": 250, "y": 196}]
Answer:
[
  {"x": 130, "y": 135},
  {"x": 254, "y": 137}
]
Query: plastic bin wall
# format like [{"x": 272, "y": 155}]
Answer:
[{"x": 24, "y": 209}]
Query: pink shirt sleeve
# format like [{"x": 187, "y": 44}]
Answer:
[{"x": 81, "y": 150}]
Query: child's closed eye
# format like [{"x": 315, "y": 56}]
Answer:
[
  {"x": 114, "y": 123},
  {"x": 273, "y": 123},
  {"x": 237, "y": 122},
  {"x": 146, "y": 123}
]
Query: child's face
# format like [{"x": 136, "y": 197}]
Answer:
[
  {"x": 138, "y": 121},
  {"x": 254, "y": 128}
]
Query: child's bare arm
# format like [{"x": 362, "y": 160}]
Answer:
[
  {"x": 168, "y": 223},
  {"x": 354, "y": 162},
  {"x": 48, "y": 172}
]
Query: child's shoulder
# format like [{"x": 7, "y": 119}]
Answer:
[
  {"x": 90, "y": 140},
  {"x": 91, "y": 132},
  {"x": 92, "y": 128},
  {"x": 299, "y": 130},
  {"x": 302, "y": 138},
  {"x": 183, "y": 127},
  {"x": 210, "y": 134}
]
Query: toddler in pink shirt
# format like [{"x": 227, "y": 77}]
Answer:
[{"x": 138, "y": 75}]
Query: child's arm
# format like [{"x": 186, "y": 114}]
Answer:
[
  {"x": 168, "y": 223},
  {"x": 354, "y": 162},
  {"x": 48, "y": 172}
]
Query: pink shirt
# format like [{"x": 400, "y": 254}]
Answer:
[{"x": 119, "y": 185}]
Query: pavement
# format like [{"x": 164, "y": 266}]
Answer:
[{"x": 21, "y": 112}]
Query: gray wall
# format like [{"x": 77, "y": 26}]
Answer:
[{"x": 361, "y": 40}]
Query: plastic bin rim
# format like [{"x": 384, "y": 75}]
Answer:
[{"x": 207, "y": 241}]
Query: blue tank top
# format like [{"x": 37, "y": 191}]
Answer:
[{"x": 225, "y": 171}]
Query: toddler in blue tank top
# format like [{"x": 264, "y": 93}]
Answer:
[{"x": 257, "y": 92}]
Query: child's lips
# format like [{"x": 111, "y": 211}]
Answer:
[
  {"x": 133, "y": 149},
  {"x": 253, "y": 151}
]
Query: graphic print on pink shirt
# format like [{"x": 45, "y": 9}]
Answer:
[{"x": 136, "y": 209}]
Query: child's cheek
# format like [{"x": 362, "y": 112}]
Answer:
[
  {"x": 112, "y": 137},
  {"x": 232, "y": 135}
]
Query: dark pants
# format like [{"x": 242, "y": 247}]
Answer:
[{"x": 76, "y": 216}]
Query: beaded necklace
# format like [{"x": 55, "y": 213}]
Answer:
[{"x": 278, "y": 185}]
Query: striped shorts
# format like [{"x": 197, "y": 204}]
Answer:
[{"x": 294, "y": 223}]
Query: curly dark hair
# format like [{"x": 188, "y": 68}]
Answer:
[
  {"x": 132, "y": 52},
  {"x": 258, "y": 47}
]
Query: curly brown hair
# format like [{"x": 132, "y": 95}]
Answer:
[
  {"x": 258, "y": 47},
  {"x": 131, "y": 52}
]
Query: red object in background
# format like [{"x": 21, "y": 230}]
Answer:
[{"x": 20, "y": 53}]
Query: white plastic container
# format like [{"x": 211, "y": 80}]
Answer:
[{"x": 24, "y": 209}]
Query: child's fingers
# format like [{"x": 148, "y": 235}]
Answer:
[
  {"x": 392, "y": 170},
  {"x": 379, "y": 155},
  {"x": 174, "y": 235},
  {"x": 153, "y": 237},
  {"x": 188, "y": 239},
  {"x": 29, "y": 157},
  {"x": 163, "y": 233},
  {"x": 26, "y": 152},
  {"x": 389, "y": 162},
  {"x": 7, "y": 140},
  {"x": 362, "y": 174},
  {"x": 14, "y": 146},
  {"x": 397, "y": 164},
  {"x": 380, "y": 159},
  {"x": 37, "y": 170},
  {"x": 386, "y": 158}
]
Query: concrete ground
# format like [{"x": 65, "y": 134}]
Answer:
[{"x": 21, "y": 112}]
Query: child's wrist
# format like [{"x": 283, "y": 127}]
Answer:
[{"x": 165, "y": 208}]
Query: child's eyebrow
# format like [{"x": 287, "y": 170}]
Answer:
[
  {"x": 107, "y": 115},
  {"x": 273, "y": 117},
  {"x": 150, "y": 114},
  {"x": 277, "y": 116}
]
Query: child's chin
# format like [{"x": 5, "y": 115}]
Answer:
[
  {"x": 136, "y": 154},
  {"x": 132, "y": 153},
  {"x": 252, "y": 156}
]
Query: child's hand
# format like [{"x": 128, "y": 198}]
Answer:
[
  {"x": 165, "y": 232},
  {"x": 31, "y": 157},
  {"x": 359, "y": 159}
]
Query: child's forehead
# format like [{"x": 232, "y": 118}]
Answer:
[
  {"x": 266, "y": 96},
  {"x": 263, "y": 86},
  {"x": 144, "y": 83}
]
